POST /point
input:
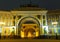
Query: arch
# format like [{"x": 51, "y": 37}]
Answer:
[
  {"x": 27, "y": 18},
  {"x": 33, "y": 19}
]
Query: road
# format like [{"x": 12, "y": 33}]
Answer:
[{"x": 28, "y": 40}]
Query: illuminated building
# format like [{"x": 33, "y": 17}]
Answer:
[{"x": 29, "y": 22}]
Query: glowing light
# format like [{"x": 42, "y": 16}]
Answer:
[
  {"x": 54, "y": 22},
  {"x": 22, "y": 34},
  {"x": 37, "y": 34},
  {"x": 46, "y": 28},
  {"x": 8, "y": 29},
  {"x": 29, "y": 34},
  {"x": 2, "y": 23}
]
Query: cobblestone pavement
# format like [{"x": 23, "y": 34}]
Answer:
[{"x": 29, "y": 40}]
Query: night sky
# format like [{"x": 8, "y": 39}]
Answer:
[{"x": 12, "y": 4}]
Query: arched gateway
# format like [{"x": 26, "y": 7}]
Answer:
[{"x": 28, "y": 27}]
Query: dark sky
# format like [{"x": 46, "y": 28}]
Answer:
[{"x": 11, "y": 4}]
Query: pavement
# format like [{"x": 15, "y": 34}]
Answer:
[{"x": 29, "y": 40}]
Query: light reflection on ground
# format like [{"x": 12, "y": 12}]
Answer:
[{"x": 29, "y": 40}]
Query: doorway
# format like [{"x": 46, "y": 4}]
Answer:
[{"x": 29, "y": 27}]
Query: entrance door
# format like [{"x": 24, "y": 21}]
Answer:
[
  {"x": 28, "y": 27},
  {"x": 29, "y": 31}
]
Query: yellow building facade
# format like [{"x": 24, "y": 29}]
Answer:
[
  {"x": 23, "y": 23},
  {"x": 29, "y": 22}
]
